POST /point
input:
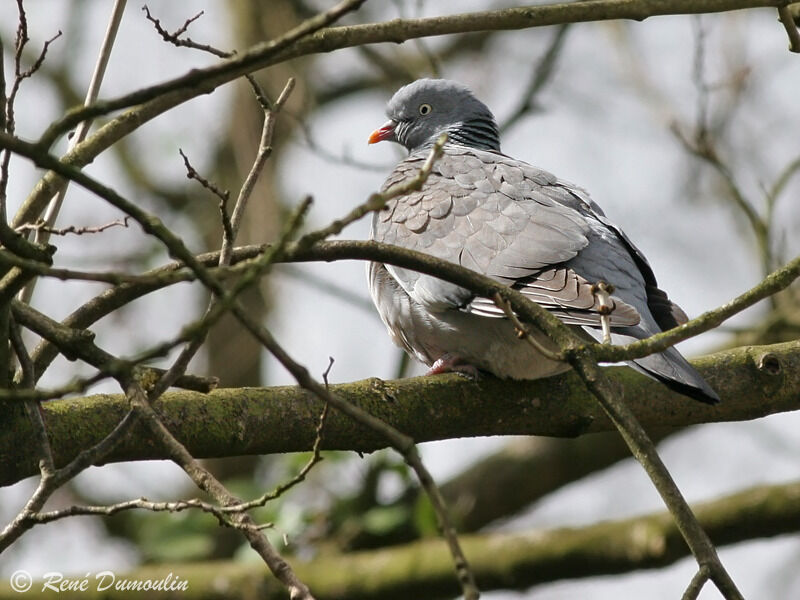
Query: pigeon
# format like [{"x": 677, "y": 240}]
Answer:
[{"x": 521, "y": 226}]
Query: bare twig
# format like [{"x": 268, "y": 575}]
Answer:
[
  {"x": 231, "y": 230},
  {"x": 54, "y": 207},
  {"x": 49, "y": 483},
  {"x": 696, "y": 584},
  {"x": 192, "y": 173},
  {"x": 21, "y": 74},
  {"x": 601, "y": 290},
  {"x": 400, "y": 442},
  {"x": 7, "y": 103},
  {"x": 76, "y": 386},
  {"x": 263, "y": 153},
  {"x": 137, "y": 503},
  {"x": 80, "y": 343},
  {"x": 522, "y": 331},
  {"x": 42, "y": 226},
  {"x": 702, "y": 148},
  {"x": 542, "y": 73},
  {"x": 32, "y": 407},
  {"x": 175, "y": 39},
  {"x": 787, "y": 19},
  {"x": 207, "y": 482},
  {"x": 378, "y": 200},
  {"x": 223, "y": 195},
  {"x": 784, "y": 177}
]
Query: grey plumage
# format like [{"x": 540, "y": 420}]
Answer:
[{"x": 517, "y": 224}]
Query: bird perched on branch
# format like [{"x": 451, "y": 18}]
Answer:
[{"x": 519, "y": 225}]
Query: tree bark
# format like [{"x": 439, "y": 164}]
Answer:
[
  {"x": 424, "y": 569},
  {"x": 753, "y": 381}
]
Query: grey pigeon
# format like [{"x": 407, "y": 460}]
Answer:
[{"x": 517, "y": 224}]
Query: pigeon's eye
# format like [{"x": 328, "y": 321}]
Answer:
[{"x": 425, "y": 109}]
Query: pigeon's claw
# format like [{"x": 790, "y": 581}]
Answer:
[{"x": 451, "y": 363}]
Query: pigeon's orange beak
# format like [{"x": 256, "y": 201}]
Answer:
[{"x": 386, "y": 132}]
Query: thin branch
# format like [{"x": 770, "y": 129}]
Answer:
[
  {"x": 398, "y": 30},
  {"x": 520, "y": 559},
  {"x": 522, "y": 331},
  {"x": 787, "y": 19},
  {"x": 400, "y": 442},
  {"x": 41, "y": 518},
  {"x": 541, "y": 74},
  {"x": 79, "y": 343},
  {"x": 158, "y": 99},
  {"x": 32, "y": 408},
  {"x": 203, "y": 479},
  {"x": 192, "y": 173},
  {"x": 230, "y": 231},
  {"x": 378, "y": 200},
  {"x": 783, "y": 180},
  {"x": 49, "y": 483},
  {"x": 51, "y": 213},
  {"x": 7, "y": 104},
  {"x": 77, "y": 385},
  {"x": 42, "y": 226},
  {"x": 263, "y": 153},
  {"x": 773, "y": 283},
  {"x": 175, "y": 39},
  {"x": 696, "y": 584}
]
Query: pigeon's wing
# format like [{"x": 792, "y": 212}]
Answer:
[
  {"x": 498, "y": 217},
  {"x": 612, "y": 257},
  {"x": 665, "y": 312}
]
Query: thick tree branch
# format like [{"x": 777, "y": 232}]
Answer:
[
  {"x": 500, "y": 485},
  {"x": 158, "y": 99},
  {"x": 753, "y": 382},
  {"x": 293, "y": 45},
  {"x": 501, "y": 560}
]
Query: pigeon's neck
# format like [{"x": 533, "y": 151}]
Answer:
[
  {"x": 481, "y": 134},
  {"x": 478, "y": 133}
]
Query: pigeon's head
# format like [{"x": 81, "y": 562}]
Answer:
[{"x": 419, "y": 112}]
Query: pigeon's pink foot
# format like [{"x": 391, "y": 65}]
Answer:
[{"x": 450, "y": 363}]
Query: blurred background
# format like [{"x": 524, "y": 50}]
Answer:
[{"x": 671, "y": 124}]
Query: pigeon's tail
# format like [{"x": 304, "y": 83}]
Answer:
[
  {"x": 674, "y": 371},
  {"x": 668, "y": 367}
]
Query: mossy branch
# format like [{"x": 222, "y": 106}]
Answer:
[
  {"x": 501, "y": 560},
  {"x": 752, "y": 381}
]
